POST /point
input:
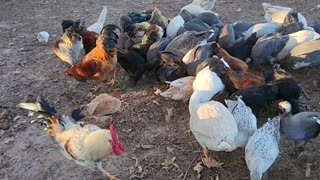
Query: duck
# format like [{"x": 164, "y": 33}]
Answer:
[
  {"x": 262, "y": 29},
  {"x": 154, "y": 51},
  {"x": 262, "y": 148},
  {"x": 102, "y": 105},
  {"x": 205, "y": 4},
  {"x": 277, "y": 14},
  {"x": 233, "y": 80},
  {"x": 260, "y": 96},
  {"x": 211, "y": 123},
  {"x": 196, "y": 56},
  {"x": 180, "y": 89},
  {"x": 97, "y": 26},
  {"x": 196, "y": 8},
  {"x": 270, "y": 49},
  {"x": 240, "y": 27},
  {"x": 302, "y": 126},
  {"x": 237, "y": 47},
  {"x": 172, "y": 67},
  {"x": 291, "y": 23},
  {"x": 304, "y": 55},
  {"x": 245, "y": 119},
  {"x": 177, "y": 22},
  {"x": 316, "y": 26}
]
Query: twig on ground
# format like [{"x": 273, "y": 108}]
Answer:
[{"x": 185, "y": 175}]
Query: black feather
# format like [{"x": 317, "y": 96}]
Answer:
[{"x": 49, "y": 110}]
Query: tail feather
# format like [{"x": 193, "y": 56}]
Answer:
[
  {"x": 117, "y": 148},
  {"x": 41, "y": 106},
  {"x": 108, "y": 37}
]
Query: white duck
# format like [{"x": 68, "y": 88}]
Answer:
[
  {"x": 177, "y": 22},
  {"x": 199, "y": 6},
  {"x": 277, "y": 14},
  {"x": 211, "y": 122},
  {"x": 180, "y": 89},
  {"x": 277, "y": 46},
  {"x": 246, "y": 120},
  {"x": 97, "y": 26},
  {"x": 263, "y": 148},
  {"x": 262, "y": 29}
]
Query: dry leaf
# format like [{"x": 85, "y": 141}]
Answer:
[
  {"x": 170, "y": 150},
  {"x": 169, "y": 114},
  {"x": 238, "y": 10},
  {"x": 168, "y": 162},
  {"x": 308, "y": 169},
  {"x": 146, "y": 146},
  {"x": 198, "y": 168},
  {"x": 157, "y": 91},
  {"x": 211, "y": 163}
]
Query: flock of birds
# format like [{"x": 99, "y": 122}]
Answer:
[{"x": 207, "y": 63}]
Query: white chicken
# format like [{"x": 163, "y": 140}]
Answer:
[
  {"x": 246, "y": 120},
  {"x": 180, "y": 89},
  {"x": 97, "y": 26},
  {"x": 211, "y": 122},
  {"x": 87, "y": 145},
  {"x": 263, "y": 148}
]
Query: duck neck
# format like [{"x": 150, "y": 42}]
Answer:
[{"x": 197, "y": 98}]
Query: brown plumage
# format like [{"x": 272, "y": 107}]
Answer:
[
  {"x": 99, "y": 62},
  {"x": 235, "y": 63}
]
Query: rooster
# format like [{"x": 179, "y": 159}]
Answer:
[
  {"x": 87, "y": 145},
  {"x": 101, "y": 60}
]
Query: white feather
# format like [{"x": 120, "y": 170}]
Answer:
[{"x": 98, "y": 26}]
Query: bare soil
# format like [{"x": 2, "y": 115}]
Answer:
[{"x": 28, "y": 68}]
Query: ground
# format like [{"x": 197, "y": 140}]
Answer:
[{"x": 28, "y": 68}]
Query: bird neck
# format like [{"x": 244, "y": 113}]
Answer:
[{"x": 197, "y": 98}]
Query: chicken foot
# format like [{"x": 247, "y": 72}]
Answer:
[
  {"x": 208, "y": 161},
  {"x": 101, "y": 85},
  {"x": 105, "y": 173}
]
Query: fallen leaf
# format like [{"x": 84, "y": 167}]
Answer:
[
  {"x": 198, "y": 168},
  {"x": 238, "y": 10},
  {"x": 170, "y": 150},
  {"x": 211, "y": 163},
  {"x": 169, "y": 114},
  {"x": 308, "y": 169},
  {"x": 157, "y": 92},
  {"x": 146, "y": 146},
  {"x": 168, "y": 162}
]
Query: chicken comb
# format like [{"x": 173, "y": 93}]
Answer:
[{"x": 114, "y": 134}]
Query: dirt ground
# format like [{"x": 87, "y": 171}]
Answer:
[{"x": 28, "y": 68}]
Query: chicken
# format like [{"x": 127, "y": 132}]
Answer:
[
  {"x": 68, "y": 48},
  {"x": 103, "y": 104},
  {"x": 158, "y": 19},
  {"x": 99, "y": 62},
  {"x": 98, "y": 26},
  {"x": 89, "y": 37},
  {"x": 263, "y": 148},
  {"x": 87, "y": 145},
  {"x": 133, "y": 60}
]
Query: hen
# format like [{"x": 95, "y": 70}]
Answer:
[
  {"x": 133, "y": 60},
  {"x": 87, "y": 145},
  {"x": 89, "y": 37},
  {"x": 69, "y": 47},
  {"x": 101, "y": 60}
]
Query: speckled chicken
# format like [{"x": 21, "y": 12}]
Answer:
[
  {"x": 87, "y": 145},
  {"x": 263, "y": 148}
]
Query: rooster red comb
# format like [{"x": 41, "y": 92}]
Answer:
[{"x": 117, "y": 148}]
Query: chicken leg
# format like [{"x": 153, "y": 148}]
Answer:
[
  {"x": 105, "y": 173},
  {"x": 208, "y": 161},
  {"x": 113, "y": 80},
  {"x": 101, "y": 85}
]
